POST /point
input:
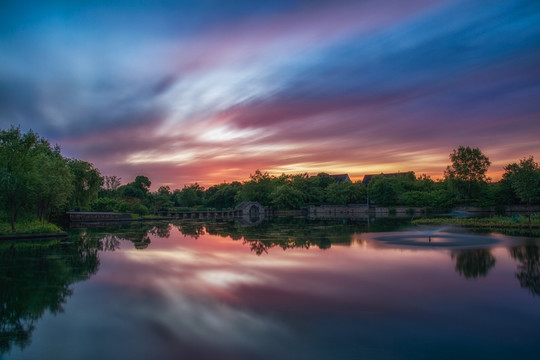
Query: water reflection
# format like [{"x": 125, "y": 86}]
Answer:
[
  {"x": 528, "y": 272},
  {"x": 199, "y": 290},
  {"x": 298, "y": 233},
  {"x": 35, "y": 278},
  {"x": 110, "y": 239},
  {"x": 473, "y": 263},
  {"x": 285, "y": 234}
]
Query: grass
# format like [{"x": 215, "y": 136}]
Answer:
[
  {"x": 28, "y": 227},
  {"x": 501, "y": 222}
]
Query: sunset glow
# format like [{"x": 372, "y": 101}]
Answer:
[{"x": 210, "y": 91}]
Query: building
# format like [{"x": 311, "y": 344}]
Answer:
[
  {"x": 367, "y": 178},
  {"x": 341, "y": 178}
]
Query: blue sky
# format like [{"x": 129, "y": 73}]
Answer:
[{"x": 209, "y": 91}]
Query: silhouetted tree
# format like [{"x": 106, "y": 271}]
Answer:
[
  {"x": 524, "y": 179},
  {"x": 86, "y": 183},
  {"x": 468, "y": 170}
]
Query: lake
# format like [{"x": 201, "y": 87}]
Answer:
[{"x": 286, "y": 289}]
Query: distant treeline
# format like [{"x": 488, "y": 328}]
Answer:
[{"x": 36, "y": 180}]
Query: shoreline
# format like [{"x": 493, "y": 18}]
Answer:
[{"x": 35, "y": 236}]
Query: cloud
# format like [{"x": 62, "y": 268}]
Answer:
[{"x": 210, "y": 91}]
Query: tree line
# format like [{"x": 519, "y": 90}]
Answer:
[{"x": 36, "y": 180}]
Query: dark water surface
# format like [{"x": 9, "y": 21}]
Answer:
[{"x": 283, "y": 290}]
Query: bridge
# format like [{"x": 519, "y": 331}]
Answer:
[
  {"x": 246, "y": 209},
  {"x": 201, "y": 214},
  {"x": 250, "y": 213}
]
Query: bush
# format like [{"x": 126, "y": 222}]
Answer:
[
  {"x": 105, "y": 204},
  {"x": 29, "y": 227},
  {"x": 140, "y": 209}
]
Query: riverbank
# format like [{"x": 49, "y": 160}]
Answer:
[{"x": 495, "y": 222}]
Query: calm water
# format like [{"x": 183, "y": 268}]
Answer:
[{"x": 278, "y": 291}]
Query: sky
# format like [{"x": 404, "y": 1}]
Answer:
[{"x": 209, "y": 91}]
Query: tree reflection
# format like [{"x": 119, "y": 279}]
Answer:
[
  {"x": 110, "y": 239},
  {"x": 285, "y": 233},
  {"x": 473, "y": 263},
  {"x": 36, "y": 278},
  {"x": 162, "y": 230},
  {"x": 193, "y": 229},
  {"x": 528, "y": 272}
]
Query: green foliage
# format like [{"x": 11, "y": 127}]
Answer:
[
  {"x": 106, "y": 204},
  {"x": 29, "y": 227},
  {"x": 503, "y": 192},
  {"x": 468, "y": 164},
  {"x": 524, "y": 179},
  {"x": 222, "y": 196},
  {"x": 34, "y": 177},
  {"x": 286, "y": 197},
  {"x": 346, "y": 193},
  {"x": 15, "y": 168},
  {"x": 52, "y": 183},
  {"x": 86, "y": 183},
  {"x": 140, "y": 209},
  {"x": 190, "y": 195},
  {"x": 323, "y": 180},
  {"x": 259, "y": 188},
  {"x": 518, "y": 221},
  {"x": 123, "y": 206},
  {"x": 467, "y": 171},
  {"x": 383, "y": 191},
  {"x": 161, "y": 199},
  {"x": 314, "y": 189},
  {"x": 415, "y": 198},
  {"x": 441, "y": 199},
  {"x": 142, "y": 183},
  {"x": 130, "y": 191}
]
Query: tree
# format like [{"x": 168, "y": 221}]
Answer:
[
  {"x": 222, "y": 195},
  {"x": 111, "y": 183},
  {"x": 52, "y": 183},
  {"x": 324, "y": 180},
  {"x": 190, "y": 195},
  {"x": 383, "y": 190},
  {"x": 287, "y": 197},
  {"x": 524, "y": 179},
  {"x": 258, "y": 188},
  {"x": 143, "y": 183},
  {"x": 15, "y": 169},
  {"x": 468, "y": 169},
  {"x": 162, "y": 199},
  {"x": 346, "y": 193},
  {"x": 86, "y": 183}
]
